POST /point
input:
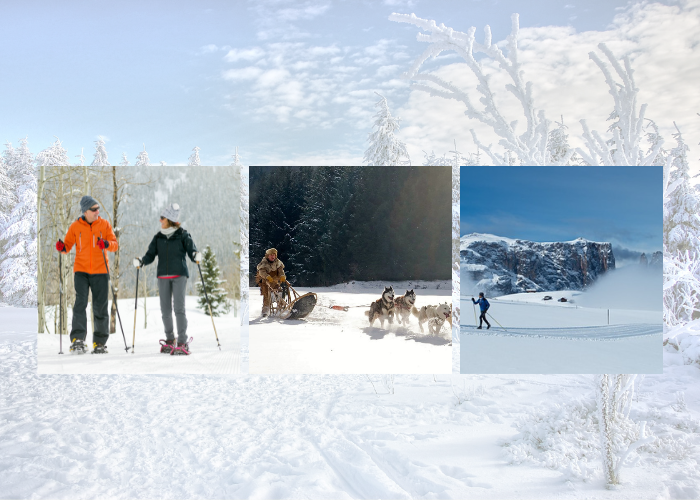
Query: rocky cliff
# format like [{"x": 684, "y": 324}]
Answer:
[{"x": 503, "y": 266}]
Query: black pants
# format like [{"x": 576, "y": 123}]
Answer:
[
  {"x": 99, "y": 284},
  {"x": 482, "y": 317}
]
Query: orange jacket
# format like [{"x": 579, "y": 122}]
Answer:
[{"x": 88, "y": 256}]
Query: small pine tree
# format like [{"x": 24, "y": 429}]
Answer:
[
  {"x": 100, "y": 159},
  {"x": 217, "y": 295},
  {"x": 142, "y": 159},
  {"x": 237, "y": 160},
  {"x": 194, "y": 158},
  {"x": 125, "y": 160},
  {"x": 384, "y": 147}
]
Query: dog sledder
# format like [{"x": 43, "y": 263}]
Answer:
[
  {"x": 388, "y": 306},
  {"x": 279, "y": 296}
]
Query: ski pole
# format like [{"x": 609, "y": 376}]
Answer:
[
  {"x": 474, "y": 309},
  {"x": 496, "y": 321},
  {"x": 60, "y": 304},
  {"x": 136, "y": 308},
  {"x": 114, "y": 300},
  {"x": 204, "y": 287}
]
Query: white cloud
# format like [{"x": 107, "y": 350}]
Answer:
[
  {"x": 208, "y": 49},
  {"x": 250, "y": 54},
  {"x": 249, "y": 73}
]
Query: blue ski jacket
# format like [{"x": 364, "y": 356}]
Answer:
[{"x": 483, "y": 303}]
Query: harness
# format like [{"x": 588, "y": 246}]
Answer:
[{"x": 400, "y": 303}]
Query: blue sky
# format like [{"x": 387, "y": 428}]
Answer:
[
  {"x": 622, "y": 205},
  {"x": 286, "y": 82}
]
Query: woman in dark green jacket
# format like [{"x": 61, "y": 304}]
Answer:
[{"x": 172, "y": 244}]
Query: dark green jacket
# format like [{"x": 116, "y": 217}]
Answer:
[{"x": 171, "y": 253}]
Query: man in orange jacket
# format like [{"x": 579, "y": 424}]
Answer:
[{"x": 90, "y": 235}]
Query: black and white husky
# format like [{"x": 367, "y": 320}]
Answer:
[
  {"x": 403, "y": 306},
  {"x": 434, "y": 315},
  {"x": 382, "y": 308}
]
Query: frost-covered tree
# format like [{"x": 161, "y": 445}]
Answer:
[
  {"x": 626, "y": 146},
  {"x": 142, "y": 159},
  {"x": 125, "y": 161},
  {"x": 7, "y": 195},
  {"x": 100, "y": 158},
  {"x": 681, "y": 229},
  {"x": 217, "y": 295},
  {"x": 237, "y": 160},
  {"x": 81, "y": 158},
  {"x": 384, "y": 147},
  {"x": 53, "y": 156},
  {"x": 19, "y": 231},
  {"x": 531, "y": 146},
  {"x": 194, "y": 158},
  {"x": 619, "y": 436}
]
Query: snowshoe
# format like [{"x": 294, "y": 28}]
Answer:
[
  {"x": 167, "y": 346},
  {"x": 302, "y": 306},
  {"x": 98, "y": 348},
  {"x": 78, "y": 347},
  {"x": 182, "y": 349}
]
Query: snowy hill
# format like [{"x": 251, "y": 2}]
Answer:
[{"x": 502, "y": 266}]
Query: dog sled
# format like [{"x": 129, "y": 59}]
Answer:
[{"x": 287, "y": 303}]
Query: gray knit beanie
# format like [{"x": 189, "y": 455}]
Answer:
[
  {"x": 171, "y": 212},
  {"x": 86, "y": 202}
]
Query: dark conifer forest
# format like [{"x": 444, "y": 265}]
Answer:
[{"x": 335, "y": 224}]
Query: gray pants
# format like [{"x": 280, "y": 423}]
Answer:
[{"x": 172, "y": 296}]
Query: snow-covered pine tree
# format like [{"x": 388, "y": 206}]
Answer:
[
  {"x": 142, "y": 159},
  {"x": 7, "y": 195},
  {"x": 81, "y": 158},
  {"x": 194, "y": 158},
  {"x": 681, "y": 245},
  {"x": 125, "y": 161},
  {"x": 385, "y": 148},
  {"x": 237, "y": 160},
  {"x": 19, "y": 233},
  {"x": 53, "y": 156},
  {"x": 558, "y": 148},
  {"x": 217, "y": 295},
  {"x": 100, "y": 159}
]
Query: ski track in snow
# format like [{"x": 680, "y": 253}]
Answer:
[
  {"x": 600, "y": 333},
  {"x": 304, "y": 436}
]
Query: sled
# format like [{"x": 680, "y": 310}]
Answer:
[{"x": 286, "y": 302}]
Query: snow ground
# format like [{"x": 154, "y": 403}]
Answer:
[
  {"x": 537, "y": 336},
  {"x": 205, "y": 358},
  {"x": 331, "y": 341},
  {"x": 218, "y": 436}
]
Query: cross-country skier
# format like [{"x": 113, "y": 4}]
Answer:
[
  {"x": 172, "y": 244},
  {"x": 90, "y": 234},
  {"x": 483, "y": 306},
  {"x": 270, "y": 271}
]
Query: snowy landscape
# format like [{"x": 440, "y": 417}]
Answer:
[
  {"x": 536, "y": 336},
  {"x": 205, "y": 355},
  {"x": 376, "y": 436},
  {"x": 607, "y": 85},
  {"x": 334, "y": 341}
]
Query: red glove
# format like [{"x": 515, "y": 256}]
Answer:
[
  {"x": 102, "y": 243},
  {"x": 60, "y": 246}
]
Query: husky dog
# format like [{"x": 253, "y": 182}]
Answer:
[
  {"x": 403, "y": 306},
  {"x": 434, "y": 315},
  {"x": 382, "y": 308}
]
